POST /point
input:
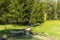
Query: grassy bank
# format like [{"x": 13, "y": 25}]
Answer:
[
  {"x": 4, "y": 29},
  {"x": 48, "y": 28},
  {"x": 11, "y": 26}
]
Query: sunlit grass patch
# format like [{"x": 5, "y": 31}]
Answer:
[
  {"x": 49, "y": 28},
  {"x": 11, "y": 26}
]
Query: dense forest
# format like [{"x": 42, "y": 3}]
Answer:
[{"x": 28, "y": 11}]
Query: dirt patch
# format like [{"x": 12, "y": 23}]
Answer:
[{"x": 42, "y": 37}]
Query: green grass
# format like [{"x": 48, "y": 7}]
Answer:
[
  {"x": 48, "y": 28},
  {"x": 10, "y": 26}
]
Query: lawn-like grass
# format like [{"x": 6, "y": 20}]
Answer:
[
  {"x": 11, "y": 26},
  {"x": 49, "y": 28}
]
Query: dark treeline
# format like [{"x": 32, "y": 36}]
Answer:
[{"x": 28, "y": 11}]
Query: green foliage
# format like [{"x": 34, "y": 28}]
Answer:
[{"x": 28, "y": 11}]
